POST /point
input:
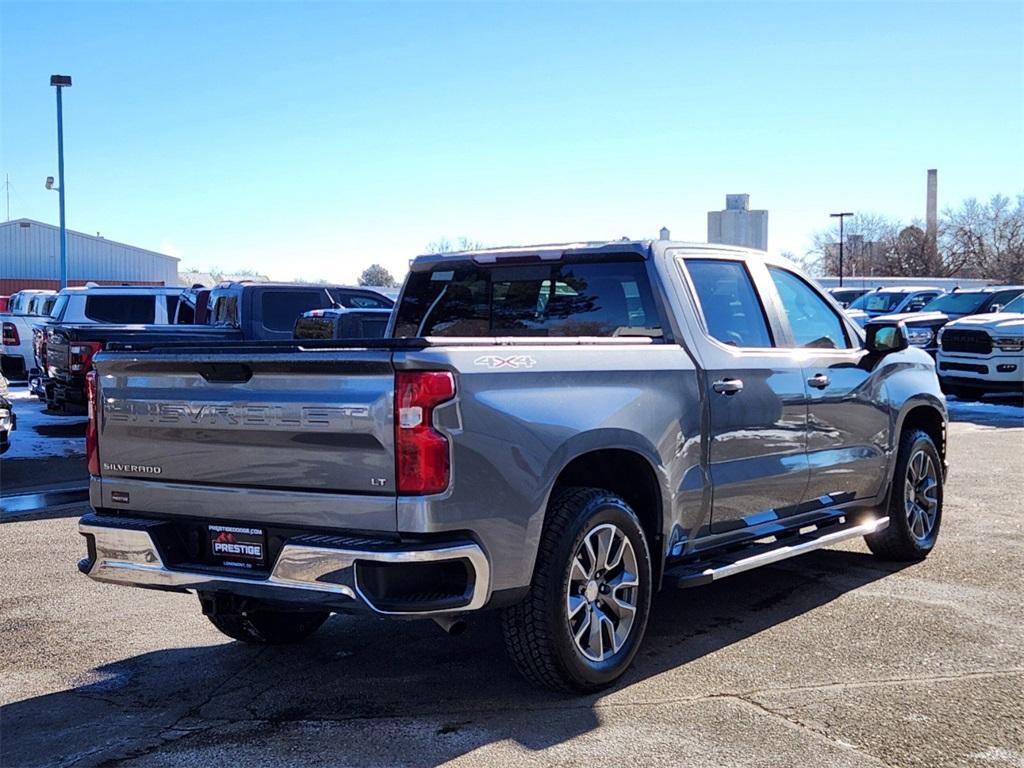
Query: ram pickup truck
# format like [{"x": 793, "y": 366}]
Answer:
[
  {"x": 554, "y": 432},
  {"x": 924, "y": 325},
  {"x": 25, "y": 309},
  {"x": 237, "y": 312},
  {"x": 979, "y": 354}
]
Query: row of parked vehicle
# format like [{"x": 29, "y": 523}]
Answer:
[
  {"x": 50, "y": 339},
  {"x": 976, "y": 335}
]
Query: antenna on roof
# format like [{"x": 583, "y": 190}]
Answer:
[{"x": 7, "y": 189}]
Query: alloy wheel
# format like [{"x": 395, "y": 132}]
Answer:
[
  {"x": 921, "y": 495},
  {"x": 604, "y": 588}
]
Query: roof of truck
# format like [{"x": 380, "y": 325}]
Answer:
[{"x": 553, "y": 251}]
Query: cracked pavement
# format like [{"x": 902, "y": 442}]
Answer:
[{"x": 833, "y": 659}]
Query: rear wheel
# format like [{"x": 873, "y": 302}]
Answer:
[
  {"x": 915, "y": 503},
  {"x": 253, "y": 622},
  {"x": 582, "y": 622}
]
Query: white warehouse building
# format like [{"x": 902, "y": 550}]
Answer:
[{"x": 30, "y": 258}]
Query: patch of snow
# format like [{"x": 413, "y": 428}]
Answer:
[
  {"x": 31, "y": 441},
  {"x": 1003, "y": 411}
]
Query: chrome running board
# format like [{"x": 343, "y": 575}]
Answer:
[{"x": 755, "y": 555}]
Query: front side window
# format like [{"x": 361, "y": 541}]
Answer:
[
  {"x": 732, "y": 311},
  {"x": 811, "y": 319},
  {"x": 568, "y": 299},
  {"x": 121, "y": 309}
]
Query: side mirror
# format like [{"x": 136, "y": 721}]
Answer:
[
  {"x": 887, "y": 337},
  {"x": 996, "y": 308}
]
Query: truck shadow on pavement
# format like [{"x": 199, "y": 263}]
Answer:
[{"x": 364, "y": 691}]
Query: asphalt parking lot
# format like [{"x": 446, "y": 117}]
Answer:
[{"x": 835, "y": 659}]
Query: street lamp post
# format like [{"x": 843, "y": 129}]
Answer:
[
  {"x": 840, "y": 216},
  {"x": 60, "y": 82}
]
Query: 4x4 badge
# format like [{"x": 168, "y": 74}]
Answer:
[{"x": 511, "y": 361}]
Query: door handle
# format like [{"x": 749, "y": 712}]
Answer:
[
  {"x": 819, "y": 381},
  {"x": 728, "y": 386}
]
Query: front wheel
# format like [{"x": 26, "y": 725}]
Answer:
[
  {"x": 581, "y": 624},
  {"x": 915, "y": 501}
]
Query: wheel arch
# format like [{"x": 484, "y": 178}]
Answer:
[{"x": 631, "y": 474}]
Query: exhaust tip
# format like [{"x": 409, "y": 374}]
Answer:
[{"x": 452, "y": 625}]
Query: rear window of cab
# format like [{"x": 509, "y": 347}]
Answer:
[{"x": 607, "y": 298}]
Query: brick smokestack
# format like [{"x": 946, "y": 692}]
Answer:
[{"x": 932, "y": 214}]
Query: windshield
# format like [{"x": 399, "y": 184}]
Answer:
[
  {"x": 1017, "y": 305},
  {"x": 962, "y": 303},
  {"x": 878, "y": 301}
]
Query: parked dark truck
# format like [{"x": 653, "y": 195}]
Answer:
[
  {"x": 555, "y": 432},
  {"x": 229, "y": 312}
]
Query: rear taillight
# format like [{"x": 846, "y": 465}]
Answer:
[
  {"x": 92, "y": 452},
  {"x": 10, "y": 335},
  {"x": 421, "y": 452},
  {"x": 80, "y": 355}
]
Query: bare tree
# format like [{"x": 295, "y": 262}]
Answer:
[
  {"x": 462, "y": 243},
  {"x": 869, "y": 238},
  {"x": 985, "y": 239}
]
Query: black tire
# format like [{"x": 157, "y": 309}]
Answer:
[
  {"x": 902, "y": 539},
  {"x": 254, "y": 623},
  {"x": 537, "y": 630}
]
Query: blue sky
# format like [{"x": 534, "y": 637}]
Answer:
[{"x": 309, "y": 140}]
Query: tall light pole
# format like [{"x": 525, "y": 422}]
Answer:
[
  {"x": 840, "y": 216},
  {"x": 60, "y": 82}
]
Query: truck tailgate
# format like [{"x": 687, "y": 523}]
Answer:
[{"x": 311, "y": 422}]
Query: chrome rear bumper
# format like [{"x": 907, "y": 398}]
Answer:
[{"x": 315, "y": 570}]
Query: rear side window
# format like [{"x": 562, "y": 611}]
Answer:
[
  {"x": 811, "y": 320},
  {"x": 225, "y": 310},
  {"x": 124, "y": 310},
  {"x": 554, "y": 300},
  {"x": 280, "y": 309},
  {"x": 732, "y": 311}
]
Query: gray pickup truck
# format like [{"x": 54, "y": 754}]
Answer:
[{"x": 554, "y": 431}]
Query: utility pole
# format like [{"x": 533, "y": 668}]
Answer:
[
  {"x": 60, "y": 82},
  {"x": 840, "y": 216}
]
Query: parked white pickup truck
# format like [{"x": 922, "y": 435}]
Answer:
[
  {"x": 983, "y": 353},
  {"x": 25, "y": 310}
]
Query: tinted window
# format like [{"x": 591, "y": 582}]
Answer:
[
  {"x": 225, "y": 311},
  {"x": 878, "y": 301},
  {"x": 130, "y": 310},
  {"x": 811, "y": 319},
  {"x": 280, "y": 309},
  {"x": 959, "y": 303},
  {"x": 1003, "y": 297},
  {"x": 1017, "y": 305},
  {"x": 361, "y": 300},
  {"x": 58, "y": 306},
  {"x": 918, "y": 301},
  {"x": 568, "y": 299},
  {"x": 732, "y": 311}
]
